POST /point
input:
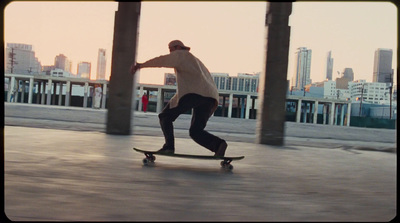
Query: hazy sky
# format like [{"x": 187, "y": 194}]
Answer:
[{"x": 227, "y": 36}]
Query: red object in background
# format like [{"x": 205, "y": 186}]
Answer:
[{"x": 145, "y": 101}]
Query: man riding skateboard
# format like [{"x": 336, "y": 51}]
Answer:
[{"x": 195, "y": 90}]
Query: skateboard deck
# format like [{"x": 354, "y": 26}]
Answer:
[{"x": 225, "y": 163}]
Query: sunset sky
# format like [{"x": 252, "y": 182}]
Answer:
[{"x": 228, "y": 37}]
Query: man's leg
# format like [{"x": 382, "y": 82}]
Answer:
[
  {"x": 169, "y": 115},
  {"x": 201, "y": 114}
]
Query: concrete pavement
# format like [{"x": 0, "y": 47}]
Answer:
[
  {"x": 232, "y": 129},
  {"x": 64, "y": 167}
]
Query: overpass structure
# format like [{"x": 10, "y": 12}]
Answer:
[{"x": 49, "y": 87}]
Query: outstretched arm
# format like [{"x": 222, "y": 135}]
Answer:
[{"x": 170, "y": 60}]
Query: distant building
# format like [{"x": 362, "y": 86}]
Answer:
[
  {"x": 329, "y": 66},
  {"x": 383, "y": 66},
  {"x": 101, "y": 65},
  {"x": 62, "y": 62},
  {"x": 329, "y": 89},
  {"x": 46, "y": 70},
  {"x": 243, "y": 82},
  {"x": 333, "y": 92},
  {"x": 84, "y": 69},
  {"x": 169, "y": 79},
  {"x": 222, "y": 80},
  {"x": 20, "y": 59},
  {"x": 325, "y": 89},
  {"x": 303, "y": 66},
  {"x": 314, "y": 90},
  {"x": 348, "y": 73},
  {"x": 60, "y": 73},
  {"x": 374, "y": 93},
  {"x": 342, "y": 83}
]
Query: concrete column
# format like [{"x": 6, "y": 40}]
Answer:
[
  {"x": 298, "y": 111},
  {"x": 160, "y": 100},
  {"x": 248, "y": 104},
  {"x": 30, "y": 94},
  {"x": 43, "y": 93},
  {"x": 85, "y": 94},
  {"x": 60, "y": 94},
  {"x": 119, "y": 113},
  {"x": 230, "y": 106},
  {"x": 68, "y": 93},
  {"x": 332, "y": 113},
  {"x": 315, "y": 118},
  {"x": 342, "y": 115},
  {"x": 348, "y": 114},
  {"x": 273, "y": 83},
  {"x": 104, "y": 97},
  {"x": 324, "y": 114},
  {"x": 9, "y": 90},
  {"x": 53, "y": 95},
  {"x": 48, "y": 100}
]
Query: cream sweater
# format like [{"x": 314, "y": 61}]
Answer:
[{"x": 191, "y": 75}]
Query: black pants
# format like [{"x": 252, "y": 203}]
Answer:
[{"x": 202, "y": 107}]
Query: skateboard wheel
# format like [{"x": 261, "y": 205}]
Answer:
[
  {"x": 145, "y": 161},
  {"x": 226, "y": 165}
]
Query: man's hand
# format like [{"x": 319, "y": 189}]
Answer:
[{"x": 135, "y": 67}]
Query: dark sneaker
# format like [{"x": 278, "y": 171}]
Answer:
[
  {"x": 221, "y": 149},
  {"x": 166, "y": 151}
]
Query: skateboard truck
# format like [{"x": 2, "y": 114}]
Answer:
[
  {"x": 226, "y": 164},
  {"x": 150, "y": 158}
]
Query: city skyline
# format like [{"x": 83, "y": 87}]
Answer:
[{"x": 312, "y": 25}]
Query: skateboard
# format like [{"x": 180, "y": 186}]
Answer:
[{"x": 225, "y": 163}]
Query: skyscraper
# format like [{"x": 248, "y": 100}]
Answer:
[
  {"x": 329, "y": 66},
  {"x": 101, "y": 65},
  {"x": 20, "y": 59},
  {"x": 84, "y": 69},
  {"x": 303, "y": 67},
  {"x": 383, "y": 66},
  {"x": 62, "y": 62}
]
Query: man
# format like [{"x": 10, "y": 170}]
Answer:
[
  {"x": 145, "y": 101},
  {"x": 195, "y": 90}
]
